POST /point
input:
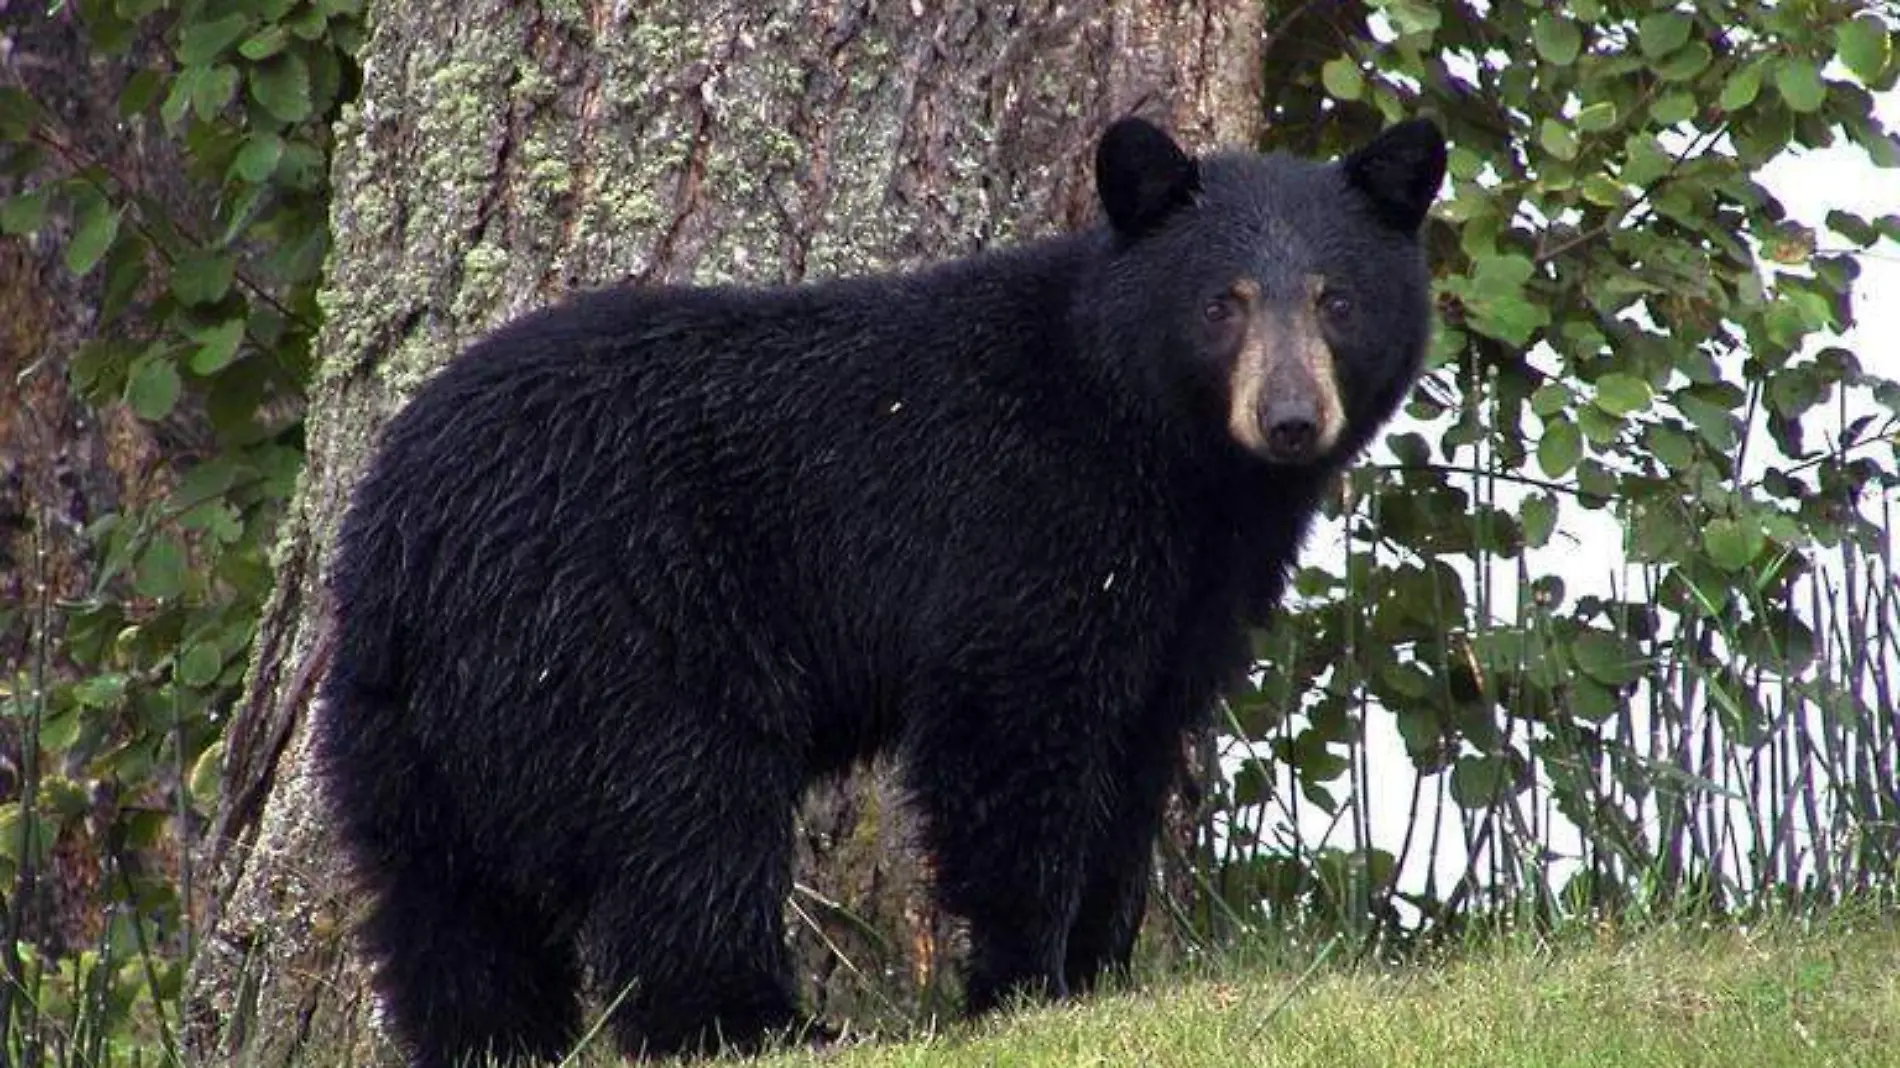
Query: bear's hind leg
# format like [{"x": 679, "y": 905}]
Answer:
[
  {"x": 1147, "y": 761},
  {"x": 688, "y": 932},
  {"x": 1007, "y": 811},
  {"x": 466, "y": 974},
  {"x": 1120, "y": 865}
]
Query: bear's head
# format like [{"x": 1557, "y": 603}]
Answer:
[{"x": 1283, "y": 303}]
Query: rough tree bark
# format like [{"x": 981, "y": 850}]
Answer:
[{"x": 503, "y": 153}]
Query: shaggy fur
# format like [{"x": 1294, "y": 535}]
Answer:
[{"x": 630, "y": 574}]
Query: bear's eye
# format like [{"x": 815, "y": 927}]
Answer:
[
  {"x": 1336, "y": 307},
  {"x": 1220, "y": 310}
]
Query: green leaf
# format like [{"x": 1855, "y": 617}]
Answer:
[
  {"x": 1602, "y": 190},
  {"x": 1600, "y": 427},
  {"x": 1539, "y": 515},
  {"x": 1742, "y": 87},
  {"x": 106, "y": 32},
  {"x": 1793, "y": 391},
  {"x": 1852, "y": 227},
  {"x": 178, "y": 101},
  {"x": 1620, "y": 394},
  {"x": 1800, "y": 84},
  {"x": 1560, "y": 448},
  {"x": 1497, "y": 301},
  {"x": 257, "y": 160},
  {"x": 1419, "y": 728},
  {"x": 1656, "y": 532},
  {"x": 153, "y": 386},
  {"x": 203, "y": 91},
  {"x": 1672, "y": 447},
  {"x": 1864, "y": 47},
  {"x": 1512, "y": 320},
  {"x": 1415, "y": 18},
  {"x": 215, "y": 518},
  {"x": 1410, "y": 449},
  {"x": 1551, "y": 398},
  {"x": 1882, "y": 150},
  {"x": 302, "y": 168},
  {"x": 125, "y": 274},
  {"x": 1685, "y": 63},
  {"x": 18, "y": 162},
  {"x": 1673, "y": 108},
  {"x": 1477, "y": 781},
  {"x": 348, "y": 35},
  {"x": 201, "y": 42},
  {"x": 1557, "y": 139},
  {"x": 24, "y": 213},
  {"x": 200, "y": 664},
  {"x": 1606, "y": 658},
  {"x": 100, "y": 691},
  {"x": 97, "y": 370},
  {"x": 1660, "y": 34},
  {"x": 1597, "y": 117},
  {"x": 98, "y": 225},
  {"x": 1715, "y": 423},
  {"x": 19, "y": 113},
  {"x": 161, "y": 569},
  {"x": 1596, "y": 484},
  {"x": 1503, "y": 275},
  {"x": 213, "y": 90},
  {"x": 1342, "y": 79},
  {"x": 281, "y": 85},
  {"x": 1732, "y": 544},
  {"x": 206, "y": 481},
  {"x": 1644, "y": 160},
  {"x": 30, "y": 835},
  {"x": 265, "y": 43},
  {"x": 1406, "y": 679},
  {"x": 139, "y": 92},
  {"x": 1591, "y": 701},
  {"x": 217, "y": 347},
  {"x": 1556, "y": 39},
  {"x": 203, "y": 278},
  {"x": 309, "y": 24}
]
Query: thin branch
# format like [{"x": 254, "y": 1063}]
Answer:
[
  {"x": 1506, "y": 476},
  {"x": 74, "y": 158},
  {"x": 1622, "y": 215}
]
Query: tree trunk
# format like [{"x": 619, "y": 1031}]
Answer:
[{"x": 503, "y": 153}]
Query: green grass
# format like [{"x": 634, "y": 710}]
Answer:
[{"x": 1763, "y": 998}]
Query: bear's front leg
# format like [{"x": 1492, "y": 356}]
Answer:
[
  {"x": 1146, "y": 764},
  {"x": 1010, "y": 795},
  {"x": 1120, "y": 866}
]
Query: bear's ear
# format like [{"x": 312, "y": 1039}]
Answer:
[
  {"x": 1142, "y": 175},
  {"x": 1400, "y": 172}
]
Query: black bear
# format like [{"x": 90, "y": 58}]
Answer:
[{"x": 631, "y": 573}]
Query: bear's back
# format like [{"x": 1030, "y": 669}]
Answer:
[{"x": 843, "y": 466}]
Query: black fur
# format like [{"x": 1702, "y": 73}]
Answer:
[
  {"x": 1142, "y": 176},
  {"x": 629, "y": 574}
]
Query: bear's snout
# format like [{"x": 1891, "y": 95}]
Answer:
[
  {"x": 1283, "y": 392},
  {"x": 1291, "y": 432}
]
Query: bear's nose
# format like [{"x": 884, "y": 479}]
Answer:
[{"x": 1291, "y": 434}]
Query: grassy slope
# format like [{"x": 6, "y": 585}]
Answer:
[{"x": 1760, "y": 999}]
